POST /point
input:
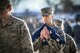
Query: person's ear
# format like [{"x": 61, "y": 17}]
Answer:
[{"x": 9, "y": 7}]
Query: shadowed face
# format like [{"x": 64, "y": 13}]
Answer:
[
  {"x": 5, "y": 11},
  {"x": 47, "y": 19}
]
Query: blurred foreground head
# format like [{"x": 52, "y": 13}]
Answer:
[
  {"x": 4, "y": 3},
  {"x": 5, "y": 8}
]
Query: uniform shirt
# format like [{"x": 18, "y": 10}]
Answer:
[
  {"x": 14, "y": 36},
  {"x": 46, "y": 46},
  {"x": 54, "y": 47},
  {"x": 70, "y": 45}
]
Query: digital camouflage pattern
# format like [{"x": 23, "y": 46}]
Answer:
[
  {"x": 14, "y": 36},
  {"x": 54, "y": 47}
]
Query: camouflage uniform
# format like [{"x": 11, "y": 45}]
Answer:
[
  {"x": 70, "y": 45},
  {"x": 54, "y": 47},
  {"x": 14, "y": 36}
]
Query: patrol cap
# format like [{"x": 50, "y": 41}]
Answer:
[
  {"x": 4, "y": 3},
  {"x": 46, "y": 11},
  {"x": 58, "y": 20}
]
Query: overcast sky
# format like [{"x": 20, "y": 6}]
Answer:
[
  {"x": 36, "y": 5},
  {"x": 32, "y": 5}
]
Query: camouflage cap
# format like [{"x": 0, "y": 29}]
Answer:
[
  {"x": 58, "y": 20},
  {"x": 4, "y": 3},
  {"x": 46, "y": 11}
]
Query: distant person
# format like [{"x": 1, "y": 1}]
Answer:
[
  {"x": 70, "y": 46},
  {"x": 76, "y": 31},
  {"x": 68, "y": 28}
]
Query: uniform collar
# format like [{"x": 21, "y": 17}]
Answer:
[{"x": 8, "y": 21}]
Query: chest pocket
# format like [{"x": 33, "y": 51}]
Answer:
[
  {"x": 14, "y": 34},
  {"x": 12, "y": 30}
]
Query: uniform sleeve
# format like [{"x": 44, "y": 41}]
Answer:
[
  {"x": 26, "y": 41},
  {"x": 37, "y": 44},
  {"x": 70, "y": 46},
  {"x": 73, "y": 46},
  {"x": 57, "y": 37}
]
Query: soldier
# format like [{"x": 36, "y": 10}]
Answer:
[
  {"x": 45, "y": 43},
  {"x": 14, "y": 33},
  {"x": 70, "y": 46}
]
